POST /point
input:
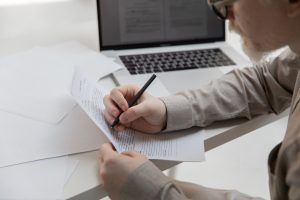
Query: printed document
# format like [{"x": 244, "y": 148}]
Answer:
[{"x": 181, "y": 146}]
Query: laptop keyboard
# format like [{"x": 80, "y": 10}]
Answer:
[{"x": 174, "y": 61}]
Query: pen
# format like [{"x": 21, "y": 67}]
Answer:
[{"x": 135, "y": 98}]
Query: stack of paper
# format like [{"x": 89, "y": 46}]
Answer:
[
  {"x": 39, "y": 118},
  {"x": 35, "y": 84}
]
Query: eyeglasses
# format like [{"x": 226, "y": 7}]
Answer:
[{"x": 221, "y": 7}]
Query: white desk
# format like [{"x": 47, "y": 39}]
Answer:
[{"x": 28, "y": 26}]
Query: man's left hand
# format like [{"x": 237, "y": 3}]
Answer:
[{"x": 115, "y": 168}]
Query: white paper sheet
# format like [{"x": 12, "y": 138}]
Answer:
[
  {"x": 24, "y": 140},
  {"x": 35, "y": 84},
  {"x": 181, "y": 146},
  {"x": 72, "y": 163},
  {"x": 36, "y": 180}
]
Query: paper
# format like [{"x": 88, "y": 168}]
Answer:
[
  {"x": 176, "y": 146},
  {"x": 23, "y": 140},
  {"x": 87, "y": 169},
  {"x": 22, "y": 137},
  {"x": 44, "y": 179},
  {"x": 35, "y": 84},
  {"x": 71, "y": 166},
  {"x": 37, "y": 180}
]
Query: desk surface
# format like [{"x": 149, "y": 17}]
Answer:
[{"x": 50, "y": 23}]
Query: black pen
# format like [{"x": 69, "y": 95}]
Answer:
[{"x": 135, "y": 98}]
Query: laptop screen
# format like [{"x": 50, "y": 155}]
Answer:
[{"x": 125, "y": 24}]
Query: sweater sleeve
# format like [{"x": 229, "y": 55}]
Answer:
[
  {"x": 148, "y": 183},
  {"x": 264, "y": 88}
]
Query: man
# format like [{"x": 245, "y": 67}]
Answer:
[{"x": 264, "y": 25}]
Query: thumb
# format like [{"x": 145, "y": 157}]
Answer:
[
  {"x": 131, "y": 153},
  {"x": 106, "y": 151},
  {"x": 135, "y": 112}
]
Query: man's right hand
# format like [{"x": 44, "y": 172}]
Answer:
[{"x": 148, "y": 115}]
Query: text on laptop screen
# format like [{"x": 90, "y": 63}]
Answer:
[{"x": 133, "y": 23}]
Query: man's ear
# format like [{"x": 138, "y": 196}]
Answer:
[{"x": 293, "y": 9}]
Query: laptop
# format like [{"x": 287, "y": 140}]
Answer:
[{"x": 181, "y": 41}]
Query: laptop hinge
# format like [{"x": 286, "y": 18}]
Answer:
[{"x": 109, "y": 53}]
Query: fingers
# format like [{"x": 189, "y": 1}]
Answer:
[
  {"x": 110, "y": 119},
  {"x": 110, "y": 107},
  {"x": 121, "y": 94},
  {"x": 111, "y": 112},
  {"x": 106, "y": 152},
  {"x": 119, "y": 99},
  {"x": 116, "y": 100}
]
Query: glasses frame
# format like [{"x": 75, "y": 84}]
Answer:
[{"x": 221, "y": 7}]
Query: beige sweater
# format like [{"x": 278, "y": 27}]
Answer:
[{"x": 267, "y": 87}]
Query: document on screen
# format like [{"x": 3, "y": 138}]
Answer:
[{"x": 161, "y": 20}]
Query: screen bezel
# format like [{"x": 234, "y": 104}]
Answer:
[{"x": 153, "y": 44}]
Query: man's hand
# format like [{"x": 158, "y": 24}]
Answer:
[
  {"x": 148, "y": 116},
  {"x": 115, "y": 168}
]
